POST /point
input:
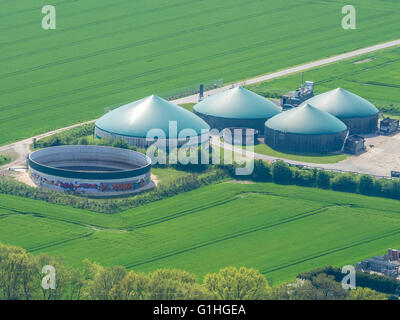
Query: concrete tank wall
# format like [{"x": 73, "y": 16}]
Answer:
[{"x": 122, "y": 171}]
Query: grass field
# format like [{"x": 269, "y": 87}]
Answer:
[
  {"x": 317, "y": 158},
  {"x": 107, "y": 53},
  {"x": 4, "y": 160},
  {"x": 262, "y": 148},
  {"x": 280, "y": 230},
  {"x": 375, "y": 77},
  {"x": 168, "y": 175}
]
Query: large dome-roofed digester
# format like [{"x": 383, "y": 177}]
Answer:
[
  {"x": 133, "y": 121},
  {"x": 358, "y": 114},
  {"x": 237, "y": 107},
  {"x": 305, "y": 129}
]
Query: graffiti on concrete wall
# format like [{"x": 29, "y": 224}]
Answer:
[{"x": 77, "y": 186}]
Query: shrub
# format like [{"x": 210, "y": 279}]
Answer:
[
  {"x": 304, "y": 177},
  {"x": 366, "y": 185},
  {"x": 323, "y": 179},
  {"x": 345, "y": 183},
  {"x": 281, "y": 173},
  {"x": 262, "y": 171},
  {"x": 83, "y": 141},
  {"x": 120, "y": 143}
]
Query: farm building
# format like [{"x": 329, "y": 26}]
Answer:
[
  {"x": 305, "y": 129},
  {"x": 358, "y": 114},
  {"x": 134, "y": 121},
  {"x": 236, "y": 108}
]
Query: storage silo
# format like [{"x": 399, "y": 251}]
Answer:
[
  {"x": 133, "y": 122},
  {"x": 305, "y": 129},
  {"x": 358, "y": 114},
  {"x": 236, "y": 108}
]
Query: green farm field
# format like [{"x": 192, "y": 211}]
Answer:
[
  {"x": 375, "y": 77},
  {"x": 106, "y": 53},
  {"x": 280, "y": 230}
]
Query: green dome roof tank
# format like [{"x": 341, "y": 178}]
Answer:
[
  {"x": 343, "y": 104},
  {"x": 306, "y": 120},
  {"x": 237, "y": 103},
  {"x": 137, "y": 118}
]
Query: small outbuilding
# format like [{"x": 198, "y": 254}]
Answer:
[{"x": 305, "y": 129}]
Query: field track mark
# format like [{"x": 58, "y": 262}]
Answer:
[
  {"x": 93, "y": 23},
  {"x": 182, "y": 213},
  {"x": 56, "y": 243},
  {"x": 29, "y": 23},
  {"x": 325, "y": 253},
  {"x": 129, "y": 45},
  {"x": 232, "y": 236},
  {"x": 52, "y": 218}
]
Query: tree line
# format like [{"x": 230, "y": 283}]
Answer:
[
  {"x": 21, "y": 278},
  {"x": 281, "y": 173}
]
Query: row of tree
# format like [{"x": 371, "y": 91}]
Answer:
[
  {"x": 281, "y": 173},
  {"x": 21, "y": 277},
  {"x": 380, "y": 283}
]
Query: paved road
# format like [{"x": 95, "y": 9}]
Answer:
[
  {"x": 345, "y": 166},
  {"x": 20, "y": 149},
  {"x": 303, "y": 67}
]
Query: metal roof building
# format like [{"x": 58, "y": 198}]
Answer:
[
  {"x": 358, "y": 114},
  {"x": 305, "y": 129},
  {"x": 237, "y": 107},
  {"x": 132, "y": 122}
]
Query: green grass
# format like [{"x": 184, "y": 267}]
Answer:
[
  {"x": 168, "y": 175},
  {"x": 280, "y": 230},
  {"x": 4, "y": 160},
  {"x": 188, "y": 106},
  {"x": 106, "y": 53},
  {"x": 374, "y": 76},
  {"x": 317, "y": 158},
  {"x": 262, "y": 148}
]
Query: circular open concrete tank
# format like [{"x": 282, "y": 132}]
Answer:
[{"x": 90, "y": 170}]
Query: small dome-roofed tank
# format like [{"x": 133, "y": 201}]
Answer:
[
  {"x": 305, "y": 129},
  {"x": 358, "y": 114},
  {"x": 237, "y": 107}
]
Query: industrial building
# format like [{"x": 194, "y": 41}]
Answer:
[
  {"x": 358, "y": 114},
  {"x": 388, "y": 126},
  {"x": 96, "y": 171},
  {"x": 305, "y": 129},
  {"x": 236, "y": 108},
  {"x": 355, "y": 144},
  {"x": 387, "y": 264},
  {"x": 294, "y": 98},
  {"x": 134, "y": 121}
]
